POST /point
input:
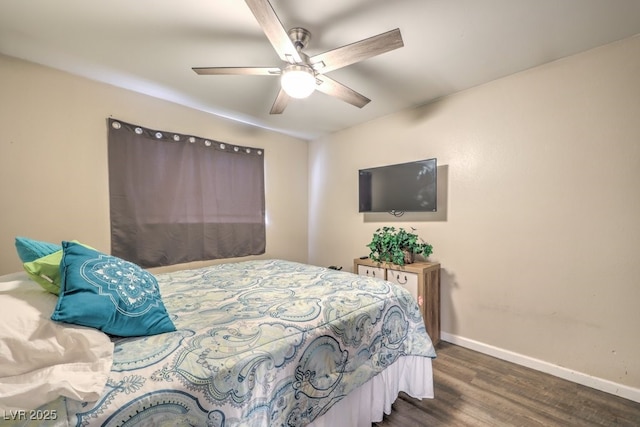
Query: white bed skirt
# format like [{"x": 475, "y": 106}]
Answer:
[{"x": 369, "y": 402}]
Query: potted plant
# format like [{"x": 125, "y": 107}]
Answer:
[{"x": 397, "y": 246}]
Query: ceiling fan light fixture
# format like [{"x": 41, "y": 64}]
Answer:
[{"x": 298, "y": 81}]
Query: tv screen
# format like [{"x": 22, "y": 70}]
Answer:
[{"x": 404, "y": 187}]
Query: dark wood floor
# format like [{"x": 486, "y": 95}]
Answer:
[{"x": 473, "y": 389}]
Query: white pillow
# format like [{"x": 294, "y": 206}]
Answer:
[{"x": 41, "y": 360}]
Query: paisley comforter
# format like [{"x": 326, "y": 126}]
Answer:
[{"x": 258, "y": 343}]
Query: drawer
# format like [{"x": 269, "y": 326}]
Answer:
[
  {"x": 409, "y": 281},
  {"x": 365, "y": 270}
]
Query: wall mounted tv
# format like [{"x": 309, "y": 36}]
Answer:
[{"x": 404, "y": 187}]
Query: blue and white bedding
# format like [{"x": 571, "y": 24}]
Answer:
[{"x": 258, "y": 343}]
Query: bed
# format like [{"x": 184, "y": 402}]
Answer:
[{"x": 256, "y": 343}]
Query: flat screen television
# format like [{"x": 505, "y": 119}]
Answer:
[{"x": 404, "y": 187}]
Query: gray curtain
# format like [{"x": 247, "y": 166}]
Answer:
[{"x": 178, "y": 198}]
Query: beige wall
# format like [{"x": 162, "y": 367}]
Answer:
[
  {"x": 539, "y": 234},
  {"x": 53, "y": 159}
]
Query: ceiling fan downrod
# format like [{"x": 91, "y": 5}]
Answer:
[{"x": 300, "y": 37}]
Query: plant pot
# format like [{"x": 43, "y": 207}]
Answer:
[{"x": 409, "y": 257}]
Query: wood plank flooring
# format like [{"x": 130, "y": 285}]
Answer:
[{"x": 473, "y": 389}]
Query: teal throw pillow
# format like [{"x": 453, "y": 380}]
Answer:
[
  {"x": 108, "y": 293},
  {"x": 30, "y": 249}
]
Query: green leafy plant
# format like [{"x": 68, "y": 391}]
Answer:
[{"x": 397, "y": 246}]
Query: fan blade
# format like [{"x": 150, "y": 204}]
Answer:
[
  {"x": 333, "y": 88},
  {"x": 256, "y": 71},
  {"x": 280, "y": 103},
  {"x": 275, "y": 32},
  {"x": 356, "y": 52}
]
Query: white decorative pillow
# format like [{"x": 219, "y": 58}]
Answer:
[{"x": 41, "y": 360}]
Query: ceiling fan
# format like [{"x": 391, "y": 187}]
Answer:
[{"x": 302, "y": 74}]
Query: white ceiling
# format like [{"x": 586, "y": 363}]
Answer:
[{"x": 149, "y": 46}]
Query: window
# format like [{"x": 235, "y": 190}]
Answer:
[{"x": 178, "y": 198}]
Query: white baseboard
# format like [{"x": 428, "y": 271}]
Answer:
[{"x": 607, "y": 386}]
